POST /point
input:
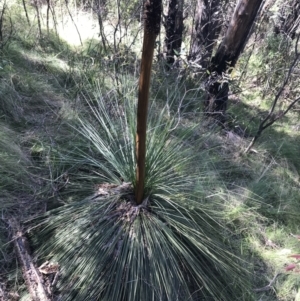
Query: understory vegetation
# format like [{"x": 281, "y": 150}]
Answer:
[{"x": 216, "y": 222}]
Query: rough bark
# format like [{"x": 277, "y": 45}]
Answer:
[
  {"x": 227, "y": 55},
  {"x": 153, "y": 10},
  {"x": 208, "y": 23},
  {"x": 174, "y": 29}
]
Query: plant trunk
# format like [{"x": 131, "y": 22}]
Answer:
[
  {"x": 48, "y": 11},
  {"x": 100, "y": 10},
  {"x": 25, "y": 10},
  {"x": 208, "y": 23},
  {"x": 36, "y": 5},
  {"x": 151, "y": 30},
  {"x": 174, "y": 29},
  {"x": 227, "y": 55},
  {"x": 1, "y": 23}
]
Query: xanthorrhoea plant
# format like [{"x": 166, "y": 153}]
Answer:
[
  {"x": 168, "y": 248},
  {"x": 152, "y": 235}
]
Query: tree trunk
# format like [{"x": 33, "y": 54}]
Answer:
[
  {"x": 208, "y": 23},
  {"x": 227, "y": 55},
  {"x": 1, "y": 23},
  {"x": 174, "y": 28},
  {"x": 100, "y": 7},
  {"x": 47, "y": 18},
  {"x": 153, "y": 10},
  {"x": 26, "y": 13},
  {"x": 36, "y": 6}
]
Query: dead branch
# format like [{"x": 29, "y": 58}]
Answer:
[{"x": 31, "y": 275}]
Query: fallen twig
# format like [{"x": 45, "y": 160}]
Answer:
[
  {"x": 30, "y": 273},
  {"x": 267, "y": 287}
]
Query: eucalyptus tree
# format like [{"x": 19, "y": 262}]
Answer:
[
  {"x": 100, "y": 9},
  {"x": 227, "y": 54},
  {"x": 173, "y": 23},
  {"x": 3, "y": 8},
  {"x": 25, "y": 10},
  {"x": 36, "y": 5},
  {"x": 208, "y": 23}
]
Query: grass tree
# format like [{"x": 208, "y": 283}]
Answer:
[{"x": 152, "y": 228}]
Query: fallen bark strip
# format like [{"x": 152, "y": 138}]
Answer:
[{"x": 31, "y": 275}]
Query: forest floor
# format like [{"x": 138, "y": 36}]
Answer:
[{"x": 42, "y": 83}]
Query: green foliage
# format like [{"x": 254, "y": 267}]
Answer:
[
  {"x": 176, "y": 243},
  {"x": 13, "y": 167},
  {"x": 169, "y": 247},
  {"x": 270, "y": 62}
]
